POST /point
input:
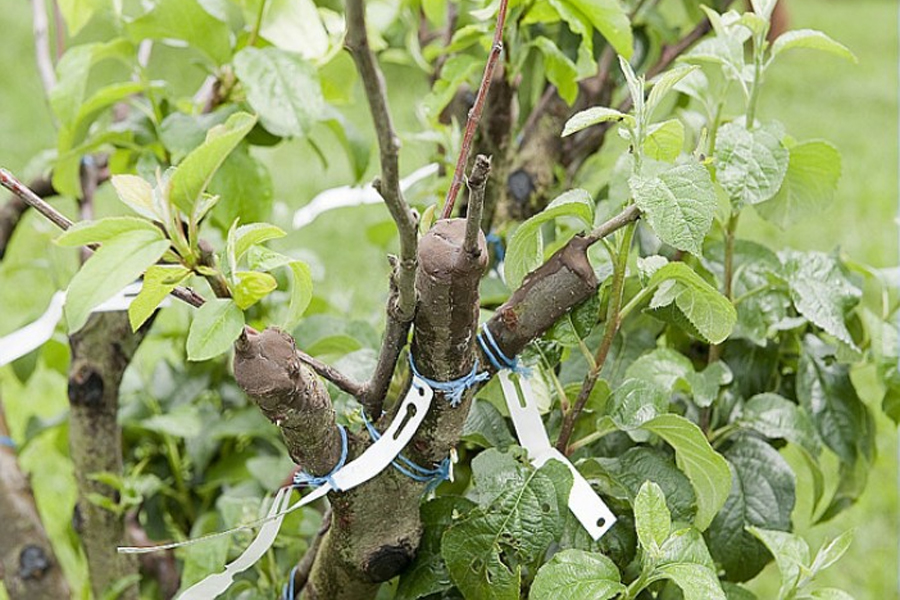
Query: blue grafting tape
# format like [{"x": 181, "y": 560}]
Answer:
[
  {"x": 498, "y": 358},
  {"x": 433, "y": 477},
  {"x": 7, "y": 441},
  {"x": 302, "y": 478},
  {"x": 287, "y": 592},
  {"x": 455, "y": 389},
  {"x": 499, "y": 250}
]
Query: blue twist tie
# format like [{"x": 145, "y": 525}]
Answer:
[
  {"x": 433, "y": 477},
  {"x": 7, "y": 441},
  {"x": 287, "y": 592},
  {"x": 302, "y": 478},
  {"x": 499, "y": 251},
  {"x": 495, "y": 355},
  {"x": 455, "y": 389}
]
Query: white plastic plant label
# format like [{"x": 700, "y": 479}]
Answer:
[
  {"x": 590, "y": 510},
  {"x": 375, "y": 459},
  {"x": 34, "y": 335}
]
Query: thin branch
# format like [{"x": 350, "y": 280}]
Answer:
[
  {"x": 41, "y": 28},
  {"x": 628, "y": 215},
  {"x": 328, "y": 372},
  {"x": 477, "y": 182},
  {"x": 389, "y": 146},
  {"x": 402, "y": 302},
  {"x": 475, "y": 113}
]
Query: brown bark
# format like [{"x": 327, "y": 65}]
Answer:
[
  {"x": 101, "y": 352},
  {"x": 28, "y": 568},
  {"x": 14, "y": 209}
]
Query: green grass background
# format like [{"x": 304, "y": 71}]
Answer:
[{"x": 815, "y": 95}]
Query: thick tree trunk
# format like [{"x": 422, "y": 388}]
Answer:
[
  {"x": 28, "y": 568},
  {"x": 101, "y": 352}
]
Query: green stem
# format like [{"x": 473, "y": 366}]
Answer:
[
  {"x": 636, "y": 301},
  {"x": 254, "y": 35},
  {"x": 613, "y": 320}
]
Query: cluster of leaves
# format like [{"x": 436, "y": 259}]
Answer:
[{"x": 701, "y": 388}]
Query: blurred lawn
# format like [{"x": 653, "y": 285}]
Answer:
[{"x": 815, "y": 95}]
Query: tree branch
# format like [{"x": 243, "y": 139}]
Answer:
[
  {"x": 475, "y": 112},
  {"x": 402, "y": 302},
  {"x": 30, "y": 569},
  {"x": 42, "y": 45},
  {"x": 477, "y": 182}
]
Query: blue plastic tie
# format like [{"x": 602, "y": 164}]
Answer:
[
  {"x": 455, "y": 389},
  {"x": 495, "y": 355},
  {"x": 7, "y": 441},
  {"x": 433, "y": 477},
  {"x": 499, "y": 251},
  {"x": 287, "y": 592},
  {"x": 302, "y": 478}
]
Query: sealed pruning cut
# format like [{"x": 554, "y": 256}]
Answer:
[{"x": 596, "y": 334}]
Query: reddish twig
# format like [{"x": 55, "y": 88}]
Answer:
[{"x": 475, "y": 113}]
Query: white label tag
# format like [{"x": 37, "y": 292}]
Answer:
[
  {"x": 375, "y": 459},
  {"x": 34, "y": 335},
  {"x": 31, "y": 337},
  {"x": 590, "y": 510}
]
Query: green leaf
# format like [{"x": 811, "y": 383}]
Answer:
[
  {"x": 679, "y": 204},
  {"x": 696, "y": 581},
  {"x": 251, "y": 287},
  {"x": 820, "y": 291},
  {"x": 159, "y": 281},
  {"x": 457, "y": 71},
  {"x": 77, "y": 13},
  {"x": 559, "y": 69},
  {"x": 779, "y": 418},
  {"x": 762, "y": 495},
  {"x": 526, "y": 247},
  {"x": 184, "y": 20},
  {"x": 832, "y": 552},
  {"x": 810, "y": 183},
  {"x": 635, "y": 402},
  {"x": 195, "y": 172},
  {"x": 521, "y": 523},
  {"x": 428, "y": 574},
  {"x": 830, "y": 594},
  {"x": 590, "y": 117},
  {"x": 665, "y": 140},
  {"x": 750, "y": 164},
  {"x": 295, "y": 26},
  {"x": 580, "y": 25},
  {"x": 651, "y": 518},
  {"x": 118, "y": 262},
  {"x": 245, "y": 187},
  {"x": 826, "y": 392},
  {"x": 707, "y": 311},
  {"x": 811, "y": 39},
  {"x": 73, "y": 71},
  {"x": 577, "y": 575},
  {"x": 181, "y": 133},
  {"x": 671, "y": 370},
  {"x": 215, "y": 326},
  {"x": 137, "y": 194},
  {"x": 707, "y": 470},
  {"x": 791, "y": 554},
  {"x": 282, "y": 87},
  {"x": 486, "y": 427},
  {"x": 301, "y": 292},
  {"x": 686, "y": 546},
  {"x": 663, "y": 84},
  {"x": 105, "y": 230},
  {"x": 253, "y": 234},
  {"x": 643, "y": 463},
  {"x": 610, "y": 18}
]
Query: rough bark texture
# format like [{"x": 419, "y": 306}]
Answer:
[
  {"x": 101, "y": 352},
  {"x": 546, "y": 294},
  {"x": 290, "y": 395},
  {"x": 28, "y": 568}
]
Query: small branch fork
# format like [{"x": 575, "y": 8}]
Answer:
[{"x": 476, "y": 111}]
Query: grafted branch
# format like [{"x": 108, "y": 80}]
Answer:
[{"x": 402, "y": 303}]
